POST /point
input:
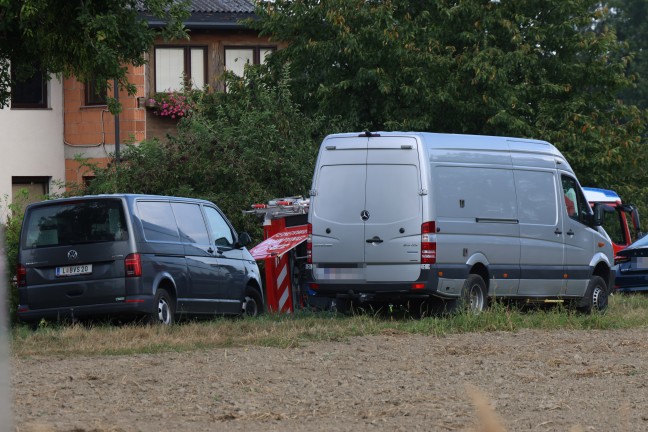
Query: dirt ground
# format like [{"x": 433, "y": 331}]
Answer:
[{"x": 533, "y": 381}]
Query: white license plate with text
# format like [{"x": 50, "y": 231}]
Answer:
[{"x": 74, "y": 270}]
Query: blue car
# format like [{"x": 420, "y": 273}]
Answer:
[{"x": 632, "y": 267}]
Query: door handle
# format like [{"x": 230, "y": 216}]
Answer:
[
  {"x": 210, "y": 250},
  {"x": 570, "y": 233},
  {"x": 557, "y": 232},
  {"x": 375, "y": 239}
]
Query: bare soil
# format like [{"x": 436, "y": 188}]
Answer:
[{"x": 532, "y": 381}]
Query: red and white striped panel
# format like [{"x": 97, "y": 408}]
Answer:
[{"x": 282, "y": 283}]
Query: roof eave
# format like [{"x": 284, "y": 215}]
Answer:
[{"x": 204, "y": 25}]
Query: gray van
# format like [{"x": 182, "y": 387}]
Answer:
[
  {"x": 124, "y": 254},
  {"x": 452, "y": 221}
]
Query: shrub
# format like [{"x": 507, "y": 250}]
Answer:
[
  {"x": 11, "y": 228},
  {"x": 248, "y": 145}
]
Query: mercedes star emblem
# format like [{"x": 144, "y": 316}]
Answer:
[{"x": 364, "y": 214}]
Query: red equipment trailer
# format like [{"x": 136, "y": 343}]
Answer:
[{"x": 283, "y": 251}]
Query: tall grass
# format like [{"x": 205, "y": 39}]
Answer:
[{"x": 292, "y": 330}]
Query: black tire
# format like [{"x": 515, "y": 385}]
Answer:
[
  {"x": 252, "y": 304},
  {"x": 164, "y": 312},
  {"x": 473, "y": 298},
  {"x": 595, "y": 298}
]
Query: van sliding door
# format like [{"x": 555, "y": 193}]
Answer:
[{"x": 542, "y": 253}]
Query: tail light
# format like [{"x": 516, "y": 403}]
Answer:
[
  {"x": 133, "y": 264},
  {"x": 428, "y": 243},
  {"x": 21, "y": 275},
  {"x": 621, "y": 259},
  {"x": 309, "y": 245}
]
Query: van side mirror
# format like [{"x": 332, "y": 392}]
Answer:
[
  {"x": 599, "y": 211},
  {"x": 243, "y": 240}
]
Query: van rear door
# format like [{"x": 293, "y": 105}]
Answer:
[
  {"x": 336, "y": 206},
  {"x": 366, "y": 211},
  {"x": 394, "y": 210},
  {"x": 73, "y": 253}
]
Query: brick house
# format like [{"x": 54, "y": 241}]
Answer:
[{"x": 72, "y": 118}]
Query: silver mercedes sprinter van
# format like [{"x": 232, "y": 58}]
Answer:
[
  {"x": 147, "y": 255},
  {"x": 451, "y": 221}
]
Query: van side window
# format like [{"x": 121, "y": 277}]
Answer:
[
  {"x": 536, "y": 194},
  {"x": 158, "y": 221},
  {"x": 470, "y": 192},
  {"x": 575, "y": 203},
  {"x": 190, "y": 223},
  {"x": 219, "y": 228}
]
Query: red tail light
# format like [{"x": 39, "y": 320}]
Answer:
[
  {"x": 133, "y": 264},
  {"x": 21, "y": 275},
  {"x": 621, "y": 259},
  {"x": 309, "y": 245},
  {"x": 428, "y": 243}
]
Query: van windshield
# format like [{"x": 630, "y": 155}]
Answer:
[{"x": 91, "y": 221}]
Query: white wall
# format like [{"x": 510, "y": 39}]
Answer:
[{"x": 31, "y": 143}]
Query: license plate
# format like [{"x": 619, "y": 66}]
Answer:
[
  {"x": 642, "y": 263},
  {"x": 74, "y": 270}
]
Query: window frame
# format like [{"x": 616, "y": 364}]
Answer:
[
  {"x": 581, "y": 207},
  {"x": 186, "y": 64},
  {"x": 256, "y": 52},
  {"x": 90, "y": 88},
  {"x": 223, "y": 222},
  {"x": 44, "y": 102},
  {"x": 24, "y": 182}
]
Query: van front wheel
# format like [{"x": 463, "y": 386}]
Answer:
[
  {"x": 252, "y": 303},
  {"x": 473, "y": 297},
  {"x": 164, "y": 312},
  {"x": 595, "y": 298}
]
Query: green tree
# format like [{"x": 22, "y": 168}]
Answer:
[
  {"x": 89, "y": 39},
  {"x": 630, "y": 21},
  {"x": 527, "y": 68}
]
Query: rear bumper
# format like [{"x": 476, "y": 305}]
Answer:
[
  {"x": 424, "y": 287},
  {"x": 130, "y": 306}
]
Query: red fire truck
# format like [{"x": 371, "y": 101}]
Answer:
[{"x": 623, "y": 225}]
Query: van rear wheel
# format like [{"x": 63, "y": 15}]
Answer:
[
  {"x": 473, "y": 298},
  {"x": 164, "y": 312}
]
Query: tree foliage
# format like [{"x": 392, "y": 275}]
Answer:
[
  {"x": 630, "y": 21},
  {"x": 248, "y": 145},
  {"x": 88, "y": 39},
  {"x": 528, "y": 68}
]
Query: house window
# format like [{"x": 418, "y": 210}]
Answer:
[
  {"x": 237, "y": 57},
  {"x": 30, "y": 92},
  {"x": 95, "y": 94},
  {"x": 36, "y": 189},
  {"x": 178, "y": 66}
]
